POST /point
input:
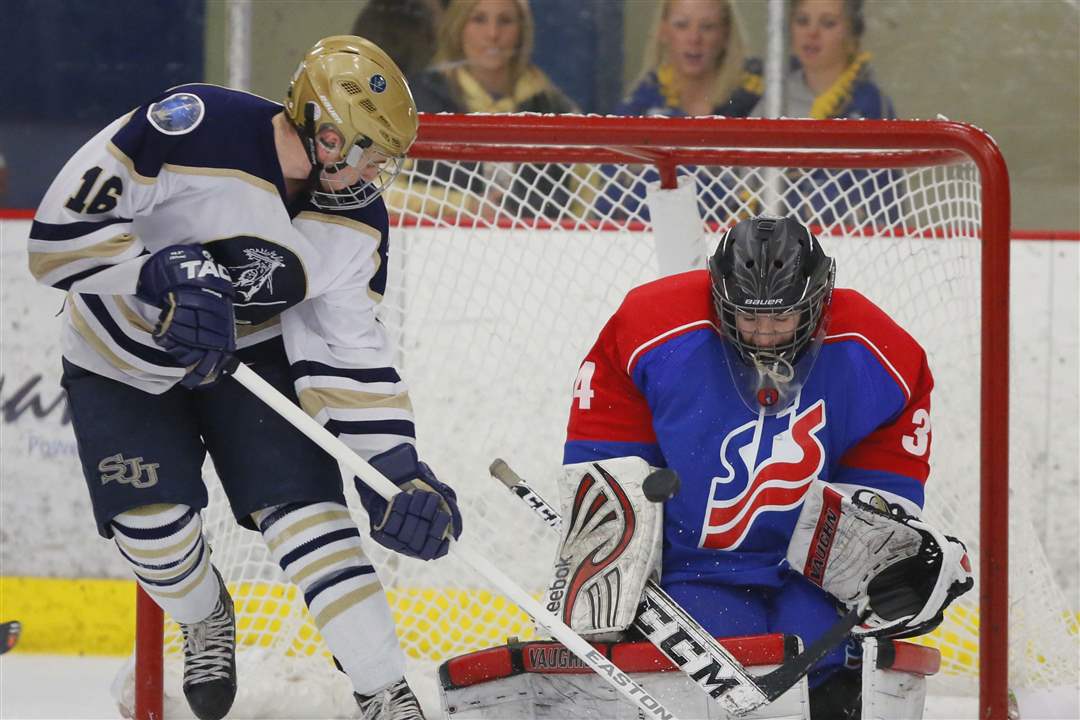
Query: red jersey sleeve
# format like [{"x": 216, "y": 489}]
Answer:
[
  {"x": 606, "y": 404},
  {"x": 896, "y": 455},
  {"x": 609, "y": 415}
]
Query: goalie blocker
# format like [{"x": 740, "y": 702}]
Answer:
[{"x": 544, "y": 680}]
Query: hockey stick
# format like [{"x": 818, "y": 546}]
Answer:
[
  {"x": 665, "y": 624},
  {"x": 9, "y": 635},
  {"x": 648, "y": 704}
]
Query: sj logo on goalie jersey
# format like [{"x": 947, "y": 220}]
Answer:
[{"x": 765, "y": 470}]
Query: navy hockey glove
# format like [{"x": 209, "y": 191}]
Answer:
[
  {"x": 196, "y": 325},
  {"x": 418, "y": 521}
]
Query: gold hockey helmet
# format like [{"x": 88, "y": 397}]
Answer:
[{"x": 350, "y": 101}]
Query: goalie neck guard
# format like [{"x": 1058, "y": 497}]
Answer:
[{"x": 771, "y": 287}]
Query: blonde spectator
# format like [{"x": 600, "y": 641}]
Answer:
[
  {"x": 697, "y": 64},
  {"x": 483, "y": 64}
]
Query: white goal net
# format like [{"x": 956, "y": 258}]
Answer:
[{"x": 512, "y": 241}]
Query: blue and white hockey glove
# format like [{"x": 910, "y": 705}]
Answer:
[
  {"x": 420, "y": 520},
  {"x": 196, "y": 325}
]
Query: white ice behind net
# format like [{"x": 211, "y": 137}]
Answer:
[{"x": 500, "y": 278}]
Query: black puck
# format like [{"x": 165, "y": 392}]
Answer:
[{"x": 661, "y": 485}]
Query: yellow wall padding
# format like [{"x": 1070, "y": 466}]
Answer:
[{"x": 66, "y": 616}]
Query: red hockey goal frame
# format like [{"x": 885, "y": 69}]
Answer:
[{"x": 669, "y": 143}]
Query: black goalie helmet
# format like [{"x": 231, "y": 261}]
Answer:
[{"x": 771, "y": 285}]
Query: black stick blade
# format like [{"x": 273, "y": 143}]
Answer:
[{"x": 9, "y": 635}]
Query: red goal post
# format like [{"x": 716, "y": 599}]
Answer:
[{"x": 671, "y": 146}]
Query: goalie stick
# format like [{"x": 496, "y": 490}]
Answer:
[
  {"x": 9, "y": 635},
  {"x": 648, "y": 705},
  {"x": 681, "y": 639}
]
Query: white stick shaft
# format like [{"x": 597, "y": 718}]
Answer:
[
  {"x": 378, "y": 482},
  {"x": 314, "y": 430}
]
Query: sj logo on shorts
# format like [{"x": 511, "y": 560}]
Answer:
[{"x": 133, "y": 471}]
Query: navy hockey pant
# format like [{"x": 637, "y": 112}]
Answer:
[{"x": 140, "y": 449}]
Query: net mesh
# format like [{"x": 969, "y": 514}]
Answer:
[{"x": 502, "y": 275}]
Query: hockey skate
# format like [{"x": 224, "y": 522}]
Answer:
[
  {"x": 394, "y": 702},
  {"x": 210, "y": 660}
]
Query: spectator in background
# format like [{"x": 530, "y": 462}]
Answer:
[
  {"x": 405, "y": 29},
  {"x": 830, "y": 77},
  {"x": 696, "y": 66},
  {"x": 483, "y": 65}
]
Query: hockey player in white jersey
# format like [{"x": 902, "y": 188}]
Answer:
[{"x": 210, "y": 224}]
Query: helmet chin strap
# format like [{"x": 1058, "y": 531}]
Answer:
[
  {"x": 308, "y": 135},
  {"x": 307, "y": 138}
]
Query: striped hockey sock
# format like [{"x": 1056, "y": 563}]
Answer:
[
  {"x": 318, "y": 547},
  {"x": 165, "y": 547}
]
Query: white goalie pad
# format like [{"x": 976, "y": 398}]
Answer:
[
  {"x": 611, "y": 545},
  {"x": 534, "y": 680},
  {"x": 894, "y": 678},
  {"x": 543, "y": 680},
  {"x": 860, "y": 553}
]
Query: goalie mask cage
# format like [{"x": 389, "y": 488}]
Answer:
[{"x": 513, "y": 238}]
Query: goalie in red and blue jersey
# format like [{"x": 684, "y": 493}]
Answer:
[{"x": 752, "y": 380}]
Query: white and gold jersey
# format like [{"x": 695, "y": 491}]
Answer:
[{"x": 198, "y": 164}]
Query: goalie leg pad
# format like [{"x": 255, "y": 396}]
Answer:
[
  {"x": 894, "y": 692},
  {"x": 611, "y": 545}
]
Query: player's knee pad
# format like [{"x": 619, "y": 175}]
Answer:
[{"x": 163, "y": 542}]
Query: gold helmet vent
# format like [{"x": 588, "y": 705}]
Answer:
[{"x": 353, "y": 89}]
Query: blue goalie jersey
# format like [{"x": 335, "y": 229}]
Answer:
[{"x": 656, "y": 385}]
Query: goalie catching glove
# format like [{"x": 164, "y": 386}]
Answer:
[
  {"x": 418, "y": 521},
  {"x": 866, "y": 550}
]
